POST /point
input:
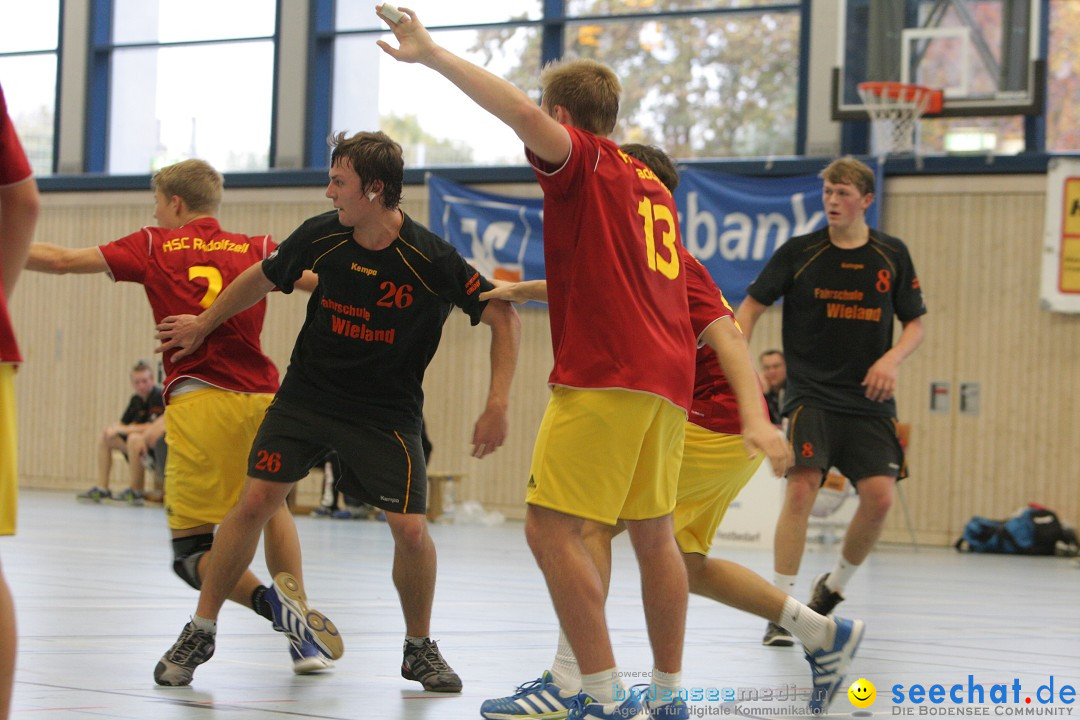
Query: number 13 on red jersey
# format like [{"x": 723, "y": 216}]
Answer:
[{"x": 658, "y": 219}]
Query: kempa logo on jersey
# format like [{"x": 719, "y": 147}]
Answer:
[{"x": 975, "y": 698}]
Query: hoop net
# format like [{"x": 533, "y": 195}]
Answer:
[{"x": 895, "y": 110}]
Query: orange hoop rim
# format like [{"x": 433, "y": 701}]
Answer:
[{"x": 931, "y": 99}]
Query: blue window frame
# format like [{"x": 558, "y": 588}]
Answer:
[
  {"x": 170, "y": 80},
  {"x": 29, "y": 52}
]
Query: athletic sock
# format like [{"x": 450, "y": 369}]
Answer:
[
  {"x": 665, "y": 687},
  {"x": 840, "y": 575},
  {"x": 202, "y": 623},
  {"x": 812, "y": 629},
  {"x": 785, "y": 582},
  {"x": 259, "y": 604},
  {"x": 603, "y": 686},
  {"x": 564, "y": 670}
]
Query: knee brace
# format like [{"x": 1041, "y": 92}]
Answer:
[{"x": 186, "y": 554}]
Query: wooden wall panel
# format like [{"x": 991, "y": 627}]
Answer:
[{"x": 975, "y": 241}]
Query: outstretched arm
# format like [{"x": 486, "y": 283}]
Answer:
[
  {"x": 20, "y": 206},
  {"x": 519, "y": 292},
  {"x": 493, "y": 426},
  {"x": 56, "y": 260},
  {"x": 540, "y": 132},
  {"x": 880, "y": 380},
  {"x": 758, "y": 433},
  {"x": 185, "y": 333}
]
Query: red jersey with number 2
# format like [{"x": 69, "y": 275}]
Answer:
[
  {"x": 616, "y": 285},
  {"x": 183, "y": 271}
]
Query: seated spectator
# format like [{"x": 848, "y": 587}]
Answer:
[
  {"x": 126, "y": 436},
  {"x": 774, "y": 380},
  {"x": 151, "y": 451}
]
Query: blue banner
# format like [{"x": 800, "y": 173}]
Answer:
[
  {"x": 500, "y": 235},
  {"x": 732, "y": 224}
]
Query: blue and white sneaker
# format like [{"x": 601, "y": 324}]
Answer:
[
  {"x": 828, "y": 665},
  {"x": 540, "y": 699},
  {"x": 308, "y": 659},
  {"x": 674, "y": 710},
  {"x": 583, "y": 707},
  {"x": 301, "y": 624}
]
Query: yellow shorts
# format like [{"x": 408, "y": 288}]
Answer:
[
  {"x": 209, "y": 433},
  {"x": 715, "y": 468},
  {"x": 9, "y": 447},
  {"x": 607, "y": 455}
]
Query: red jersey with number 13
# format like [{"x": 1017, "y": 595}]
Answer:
[
  {"x": 616, "y": 288},
  {"x": 183, "y": 271}
]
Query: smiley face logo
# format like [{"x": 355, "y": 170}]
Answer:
[{"x": 862, "y": 693}]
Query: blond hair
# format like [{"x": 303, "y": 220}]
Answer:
[
  {"x": 196, "y": 182},
  {"x": 587, "y": 89},
  {"x": 850, "y": 171}
]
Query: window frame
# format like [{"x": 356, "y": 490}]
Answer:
[
  {"x": 58, "y": 54},
  {"x": 100, "y": 50}
]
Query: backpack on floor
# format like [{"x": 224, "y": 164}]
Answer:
[{"x": 1034, "y": 530}]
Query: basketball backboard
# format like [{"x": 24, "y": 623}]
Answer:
[{"x": 983, "y": 53}]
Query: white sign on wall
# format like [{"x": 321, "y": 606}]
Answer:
[{"x": 1060, "y": 286}]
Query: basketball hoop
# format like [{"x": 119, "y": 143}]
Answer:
[{"x": 895, "y": 109}]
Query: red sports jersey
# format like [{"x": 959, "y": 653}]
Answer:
[
  {"x": 182, "y": 272},
  {"x": 616, "y": 285},
  {"x": 14, "y": 168},
  {"x": 715, "y": 407}
]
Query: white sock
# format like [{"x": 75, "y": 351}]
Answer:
[
  {"x": 840, "y": 575},
  {"x": 604, "y": 686},
  {"x": 665, "y": 687},
  {"x": 812, "y": 629},
  {"x": 564, "y": 670},
  {"x": 202, "y": 623},
  {"x": 786, "y": 583}
]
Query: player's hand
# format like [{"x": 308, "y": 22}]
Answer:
[
  {"x": 880, "y": 380},
  {"x": 183, "y": 334},
  {"x": 414, "y": 41},
  {"x": 765, "y": 437},
  {"x": 490, "y": 432}
]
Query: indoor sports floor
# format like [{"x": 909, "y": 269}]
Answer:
[{"x": 98, "y": 604}]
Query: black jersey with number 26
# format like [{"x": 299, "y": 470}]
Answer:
[
  {"x": 839, "y": 307},
  {"x": 374, "y": 322}
]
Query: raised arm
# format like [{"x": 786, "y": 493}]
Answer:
[
  {"x": 56, "y": 260},
  {"x": 493, "y": 426},
  {"x": 540, "y": 132},
  {"x": 747, "y": 316},
  {"x": 20, "y": 206},
  {"x": 758, "y": 432},
  {"x": 185, "y": 333}
]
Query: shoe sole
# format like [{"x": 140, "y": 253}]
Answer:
[
  {"x": 323, "y": 632},
  {"x": 847, "y": 654},
  {"x": 312, "y": 665},
  {"x": 778, "y": 641},
  {"x": 407, "y": 673}
]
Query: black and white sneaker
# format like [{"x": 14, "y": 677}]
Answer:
[
  {"x": 776, "y": 636},
  {"x": 822, "y": 599},
  {"x": 191, "y": 649},
  {"x": 426, "y": 665}
]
